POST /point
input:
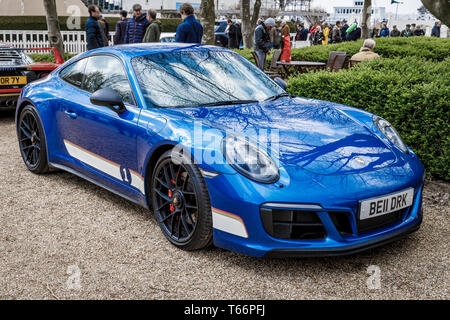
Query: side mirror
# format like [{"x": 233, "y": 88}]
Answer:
[
  {"x": 108, "y": 98},
  {"x": 281, "y": 83}
]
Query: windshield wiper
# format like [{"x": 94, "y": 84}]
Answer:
[
  {"x": 222, "y": 103},
  {"x": 284, "y": 94}
]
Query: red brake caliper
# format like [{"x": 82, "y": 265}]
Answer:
[
  {"x": 170, "y": 194},
  {"x": 171, "y": 206}
]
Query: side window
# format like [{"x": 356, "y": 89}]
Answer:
[
  {"x": 107, "y": 72},
  {"x": 73, "y": 74}
]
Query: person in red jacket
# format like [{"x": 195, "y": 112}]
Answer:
[{"x": 286, "y": 42}]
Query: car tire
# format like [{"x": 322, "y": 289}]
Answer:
[
  {"x": 32, "y": 143},
  {"x": 181, "y": 203}
]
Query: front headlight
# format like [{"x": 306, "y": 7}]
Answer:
[
  {"x": 389, "y": 132},
  {"x": 249, "y": 160}
]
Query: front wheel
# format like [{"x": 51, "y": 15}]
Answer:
[
  {"x": 32, "y": 142},
  {"x": 181, "y": 203}
]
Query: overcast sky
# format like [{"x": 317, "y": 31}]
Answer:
[{"x": 408, "y": 6}]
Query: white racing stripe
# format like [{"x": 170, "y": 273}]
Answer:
[
  {"x": 104, "y": 165},
  {"x": 228, "y": 222}
]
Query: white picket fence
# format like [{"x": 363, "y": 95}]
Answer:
[{"x": 74, "y": 41}]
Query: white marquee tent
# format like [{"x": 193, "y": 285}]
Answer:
[{"x": 36, "y": 8}]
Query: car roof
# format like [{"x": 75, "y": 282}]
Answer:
[{"x": 135, "y": 50}]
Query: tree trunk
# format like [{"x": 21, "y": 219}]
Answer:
[
  {"x": 54, "y": 32},
  {"x": 440, "y": 9},
  {"x": 366, "y": 15},
  {"x": 207, "y": 19},
  {"x": 249, "y": 21}
]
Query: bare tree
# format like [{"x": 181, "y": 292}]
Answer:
[
  {"x": 54, "y": 31},
  {"x": 316, "y": 16},
  {"x": 284, "y": 3},
  {"x": 440, "y": 9},
  {"x": 249, "y": 21},
  {"x": 366, "y": 15},
  {"x": 207, "y": 19}
]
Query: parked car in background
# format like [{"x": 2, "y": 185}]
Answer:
[
  {"x": 17, "y": 69},
  {"x": 168, "y": 37},
  {"x": 221, "y": 38}
]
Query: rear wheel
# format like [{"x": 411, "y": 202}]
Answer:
[
  {"x": 181, "y": 203},
  {"x": 32, "y": 142}
]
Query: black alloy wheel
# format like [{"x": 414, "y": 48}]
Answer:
[
  {"x": 32, "y": 142},
  {"x": 181, "y": 203}
]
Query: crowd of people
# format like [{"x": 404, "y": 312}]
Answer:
[
  {"x": 144, "y": 27},
  {"x": 342, "y": 31},
  {"x": 328, "y": 33},
  {"x": 141, "y": 27}
]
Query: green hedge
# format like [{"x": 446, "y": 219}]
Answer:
[
  {"x": 420, "y": 47},
  {"x": 413, "y": 94},
  {"x": 47, "y": 57},
  {"x": 40, "y": 23}
]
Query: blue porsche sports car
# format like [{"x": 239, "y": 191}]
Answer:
[{"x": 221, "y": 153}]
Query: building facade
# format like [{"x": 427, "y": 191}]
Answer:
[{"x": 355, "y": 11}]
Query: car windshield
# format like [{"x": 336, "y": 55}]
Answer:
[{"x": 184, "y": 78}]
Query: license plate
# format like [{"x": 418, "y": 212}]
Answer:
[
  {"x": 13, "y": 81},
  {"x": 376, "y": 207}
]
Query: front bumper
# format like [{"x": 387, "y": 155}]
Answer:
[
  {"x": 233, "y": 194},
  {"x": 345, "y": 250}
]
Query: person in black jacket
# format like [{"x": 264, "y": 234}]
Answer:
[
  {"x": 121, "y": 28},
  {"x": 94, "y": 34},
  {"x": 232, "y": 35},
  {"x": 262, "y": 43},
  {"x": 354, "y": 35},
  {"x": 419, "y": 32},
  {"x": 344, "y": 30}
]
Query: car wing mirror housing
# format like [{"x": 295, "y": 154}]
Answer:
[
  {"x": 281, "y": 83},
  {"x": 109, "y": 98}
]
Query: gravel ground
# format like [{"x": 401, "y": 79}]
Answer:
[{"x": 55, "y": 227}]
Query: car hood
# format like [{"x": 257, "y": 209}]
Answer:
[{"x": 312, "y": 134}]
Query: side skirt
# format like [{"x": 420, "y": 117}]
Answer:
[{"x": 70, "y": 170}]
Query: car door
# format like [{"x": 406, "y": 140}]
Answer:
[{"x": 100, "y": 143}]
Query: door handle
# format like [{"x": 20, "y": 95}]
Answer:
[{"x": 70, "y": 114}]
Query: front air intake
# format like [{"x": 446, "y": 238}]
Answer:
[{"x": 292, "y": 224}]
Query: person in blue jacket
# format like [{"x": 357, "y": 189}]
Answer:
[
  {"x": 121, "y": 28},
  {"x": 436, "y": 32},
  {"x": 190, "y": 31},
  {"x": 94, "y": 34},
  {"x": 384, "y": 32},
  {"x": 136, "y": 26}
]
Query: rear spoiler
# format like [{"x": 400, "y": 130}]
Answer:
[{"x": 58, "y": 57}]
